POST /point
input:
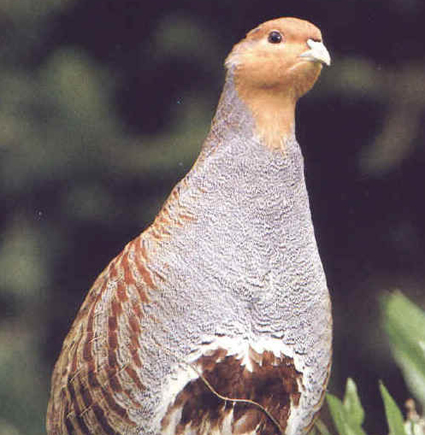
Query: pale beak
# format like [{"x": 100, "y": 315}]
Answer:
[{"x": 317, "y": 53}]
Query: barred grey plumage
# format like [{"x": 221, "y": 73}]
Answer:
[{"x": 226, "y": 283}]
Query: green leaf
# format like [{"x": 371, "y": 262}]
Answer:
[
  {"x": 321, "y": 428},
  {"x": 341, "y": 417},
  {"x": 352, "y": 404},
  {"x": 338, "y": 414},
  {"x": 405, "y": 325},
  {"x": 393, "y": 413}
]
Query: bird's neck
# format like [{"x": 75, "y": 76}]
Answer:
[
  {"x": 265, "y": 113},
  {"x": 274, "y": 119}
]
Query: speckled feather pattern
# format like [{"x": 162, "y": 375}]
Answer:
[{"x": 232, "y": 254}]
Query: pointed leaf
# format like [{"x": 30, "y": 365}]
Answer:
[
  {"x": 341, "y": 418},
  {"x": 338, "y": 414},
  {"x": 352, "y": 404},
  {"x": 405, "y": 325},
  {"x": 321, "y": 428},
  {"x": 393, "y": 413}
]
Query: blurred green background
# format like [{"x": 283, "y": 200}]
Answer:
[{"x": 103, "y": 107}]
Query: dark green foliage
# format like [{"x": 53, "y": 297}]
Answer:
[{"x": 405, "y": 323}]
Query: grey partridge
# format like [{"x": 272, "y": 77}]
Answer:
[{"x": 217, "y": 318}]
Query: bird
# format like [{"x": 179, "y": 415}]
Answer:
[{"x": 216, "y": 319}]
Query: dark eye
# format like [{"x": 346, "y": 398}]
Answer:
[{"x": 275, "y": 37}]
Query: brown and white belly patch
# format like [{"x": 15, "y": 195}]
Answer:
[{"x": 190, "y": 405}]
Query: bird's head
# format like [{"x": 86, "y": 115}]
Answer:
[
  {"x": 272, "y": 67},
  {"x": 283, "y": 55}
]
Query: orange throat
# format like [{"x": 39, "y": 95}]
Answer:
[{"x": 273, "y": 113}]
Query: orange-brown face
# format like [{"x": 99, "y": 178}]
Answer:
[{"x": 283, "y": 55}]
